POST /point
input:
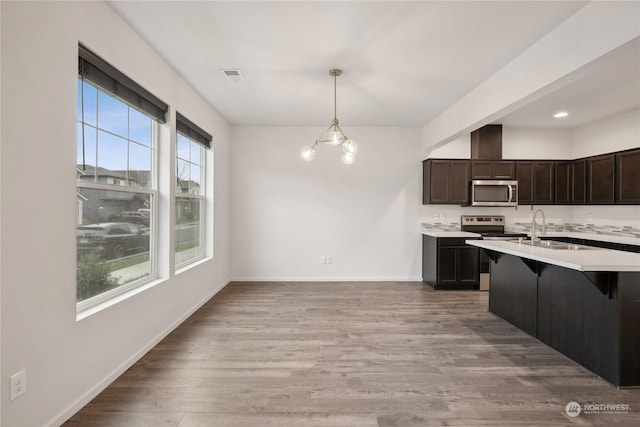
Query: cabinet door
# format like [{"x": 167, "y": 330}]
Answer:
[
  {"x": 578, "y": 182},
  {"x": 493, "y": 169},
  {"x": 524, "y": 172},
  {"x": 459, "y": 173},
  {"x": 480, "y": 169},
  {"x": 563, "y": 183},
  {"x": 469, "y": 265},
  {"x": 447, "y": 265},
  {"x": 503, "y": 170},
  {"x": 440, "y": 171},
  {"x": 536, "y": 183},
  {"x": 628, "y": 177},
  {"x": 446, "y": 182},
  {"x": 543, "y": 183},
  {"x": 600, "y": 179}
]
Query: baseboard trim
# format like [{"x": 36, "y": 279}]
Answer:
[
  {"x": 105, "y": 382},
  {"x": 328, "y": 279}
]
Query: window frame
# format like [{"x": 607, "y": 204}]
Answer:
[
  {"x": 195, "y": 135},
  {"x": 119, "y": 82}
]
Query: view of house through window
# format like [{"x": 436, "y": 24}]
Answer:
[
  {"x": 115, "y": 192},
  {"x": 189, "y": 199}
]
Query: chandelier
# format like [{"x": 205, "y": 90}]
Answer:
[{"x": 333, "y": 135}]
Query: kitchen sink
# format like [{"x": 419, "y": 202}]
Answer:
[{"x": 551, "y": 244}]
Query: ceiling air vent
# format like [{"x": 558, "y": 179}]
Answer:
[{"x": 233, "y": 75}]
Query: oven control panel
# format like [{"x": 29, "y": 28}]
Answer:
[{"x": 466, "y": 220}]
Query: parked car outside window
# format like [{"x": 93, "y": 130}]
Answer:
[
  {"x": 132, "y": 217},
  {"x": 111, "y": 239}
]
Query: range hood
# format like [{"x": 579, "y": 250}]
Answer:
[{"x": 486, "y": 143}]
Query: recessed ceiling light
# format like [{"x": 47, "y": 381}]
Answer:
[{"x": 560, "y": 114}]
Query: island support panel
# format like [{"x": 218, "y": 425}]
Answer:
[{"x": 513, "y": 294}]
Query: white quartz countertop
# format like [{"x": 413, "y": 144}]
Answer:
[
  {"x": 593, "y": 236},
  {"x": 595, "y": 259},
  {"x": 436, "y": 233}
]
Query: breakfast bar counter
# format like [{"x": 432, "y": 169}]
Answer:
[{"x": 581, "y": 301}]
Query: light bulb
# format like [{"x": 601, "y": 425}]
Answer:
[
  {"x": 348, "y": 158},
  {"x": 350, "y": 146},
  {"x": 308, "y": 153},
  {"x": 334, "y": 138}
]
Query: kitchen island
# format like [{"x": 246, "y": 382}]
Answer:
[{"x": 581, "y": 301}]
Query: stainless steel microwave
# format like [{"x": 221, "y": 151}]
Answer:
[{"x": 493, "y": 192}]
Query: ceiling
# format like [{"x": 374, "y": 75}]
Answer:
[{"x": 403, "y": 62}]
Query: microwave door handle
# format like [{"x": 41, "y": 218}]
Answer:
[{"x": 510, "y": 193}]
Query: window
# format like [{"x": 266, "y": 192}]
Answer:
[
  {"x": 191, "y": 142},
  {"x": 116, "y": 181}
]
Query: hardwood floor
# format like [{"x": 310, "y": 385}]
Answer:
[{"x": 352, "y": 354}]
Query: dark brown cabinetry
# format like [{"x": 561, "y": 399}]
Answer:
[
  {"x": 448, "y": 263},
  {"x": 536, "y": 182},
  {"x": 627, "y": 179},
  {"x": 446, "y": 181},
  {"x": 607, "y": 179},
  {"x": 578, "y": 182},
  {"x": 493, "y": 169},
  {"x": 570, "y": 182},
  {"x": 600, "y": 179}
]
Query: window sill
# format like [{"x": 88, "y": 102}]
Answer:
[{"x": 83, "y": 313}]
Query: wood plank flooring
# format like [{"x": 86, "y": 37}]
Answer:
[{"x": 352, "y": 354}]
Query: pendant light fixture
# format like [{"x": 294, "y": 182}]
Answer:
[{"x": 333, "y": 135}]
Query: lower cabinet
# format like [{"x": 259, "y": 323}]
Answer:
[{"x": 448, "y": 263}]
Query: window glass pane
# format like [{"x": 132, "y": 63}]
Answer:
[
  {"x": 195, "y": 185},
  {"x": 112, "y": 115},
  {"x": 90, "y": 94},
  {"x": 139, "y": 166},
  {"x": 112, "y": 240},
  {"x": 139, "y": 127},
  {"x": 188, "y": 244},
  {"x": 196, "y": 151},
  {"x": 112, "y": 156},
  {"x": 182, "y": 176},
  {"x": 183, "y": 147},
  {"x": 90, "y": 134}
]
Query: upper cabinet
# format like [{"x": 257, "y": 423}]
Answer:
[
  {"x": 446, "y": 181},
  {"x": 570, "y": 182},
  {"x": 493, "y": 169},
  {"x": 600, "y": 179},
  {"x": 536, "y": 182},
  {"x": 627, "y": 187}
]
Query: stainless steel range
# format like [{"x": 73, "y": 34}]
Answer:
[{"x": 490, "y": 227}]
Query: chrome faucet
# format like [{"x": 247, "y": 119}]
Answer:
[{"x": 533, "y": 225}]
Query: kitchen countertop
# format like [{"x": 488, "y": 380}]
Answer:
[
  {"x": 592, "y": 236},
  {"x": 442, "y": 233},
  {"x": 595, "y": 259}
]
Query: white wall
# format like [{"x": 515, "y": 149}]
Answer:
[
  {"x": 287, "y": 213},
  {"x": 536, "y": 143},
  {"x": 69, "y": 361},
  {"x": 616, "y": 133}
]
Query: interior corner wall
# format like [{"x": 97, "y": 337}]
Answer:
[
  {"x": 288, "y": 213},
  {"x": 69, "y": 361}
]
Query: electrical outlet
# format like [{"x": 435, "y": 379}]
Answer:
[
  {"x": 436, "y": 216},
  {"x": 329, "y": 259},
  {"x": 18, "y": 385},
  {"x": 323, "y": 260}
]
